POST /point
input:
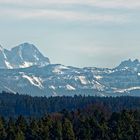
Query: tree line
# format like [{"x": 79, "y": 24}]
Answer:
[
  {"x": 16, "y": 104},
  {"x": 69, "y": 118}
]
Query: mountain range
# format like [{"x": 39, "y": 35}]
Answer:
[{"x": 25, "y": 70}]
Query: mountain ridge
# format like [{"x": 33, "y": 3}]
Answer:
[
  {"x": 58, "y": 80},
  {"x": 40, "y": 78}
]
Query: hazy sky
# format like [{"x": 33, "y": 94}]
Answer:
[{"x": 74, "y": 32}]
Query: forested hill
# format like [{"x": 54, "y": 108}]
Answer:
[
  {"x": 69, "y": 118},
  {"x": 15, "y": 104},
  {"x": 91, "y": 123}
]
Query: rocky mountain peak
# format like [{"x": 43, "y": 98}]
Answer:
[
  {"x": 22, "y": 56},
  {"x": 129, "y": 64}
]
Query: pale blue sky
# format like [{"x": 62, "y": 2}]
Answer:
[{"x": 74, "y": 32}]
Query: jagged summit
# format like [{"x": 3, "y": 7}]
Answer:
[
  {"x": 131, "y": 64},
  {"x": 22, "y": 56},
  {"x": 25, "y": 45}
]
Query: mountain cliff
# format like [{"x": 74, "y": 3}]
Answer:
[{"x": 22, "y": 56}]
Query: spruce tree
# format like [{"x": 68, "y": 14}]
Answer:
[
  {"x": 2, "y": 129},
  {"x": 68, "y": 133},
  {"x": 19, "y": 135}
]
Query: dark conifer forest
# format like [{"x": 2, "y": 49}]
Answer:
[{"x": 69, "y": 118}]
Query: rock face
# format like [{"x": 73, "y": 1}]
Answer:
[
  {"x": 25, "y": 70},
  {"x": 129, "y": 64},
  {"x": 22, "y": 56}
]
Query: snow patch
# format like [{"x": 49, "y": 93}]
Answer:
[
  {"x": 127, "y": 89},
  {"x": 9, "y": 89},
  {"x": 98, "y": 86},
  {"x": 26, "y": 64},
  {"x": 54, "y": 94},
  {"x": 36, "y": 81},
  {"x": 138, "y": 74},
  {"x": 83, "y": 80},
  {"x": 52, "y": 87},
  {"x": 69, "y": 87},
  {"x": 98, "y": 77},
  {"x": 36, "y": 57},
  {"x": 8, "y": 65},
  {"x": 4, "y": 55},
  {"x": 58, "y": 69},
  {"x": 101, "y": 94}
]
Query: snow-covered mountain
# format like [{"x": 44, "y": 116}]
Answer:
[
  {"x": 51, "y": 80},
  {"x": 25, "y": 70},
  {"x": 22, "y": 56},
  {"x": 58, "y": 80}
]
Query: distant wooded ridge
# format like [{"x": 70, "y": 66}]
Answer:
[{"x": 15, "y": 104}]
